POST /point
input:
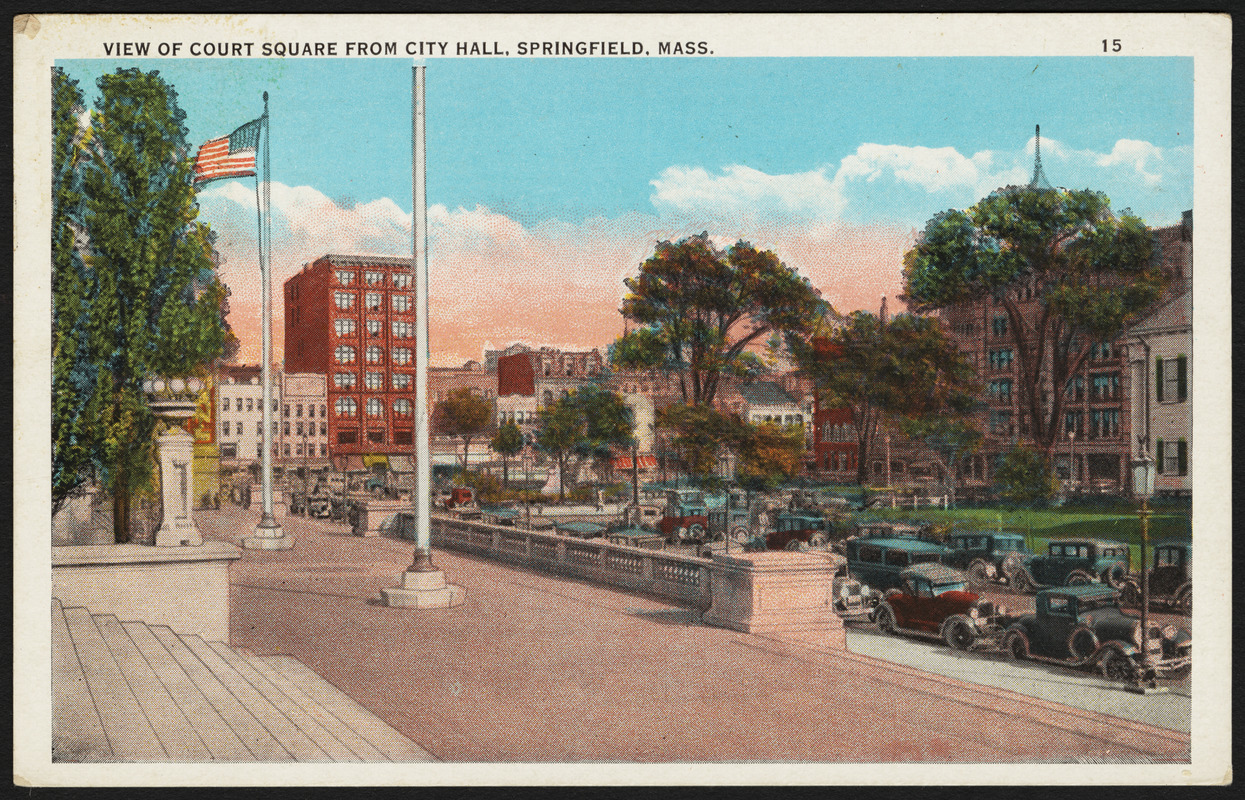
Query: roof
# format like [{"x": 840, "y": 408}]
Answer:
[
  {"x": 1095, "y": 542},
  {"x": 367, "y": 261},
  {"x": 766, "y": 393},
  {"x": 1185, "y": 543},
  {"x": 580, "y": 527},
  {"x": 500, "y": 513},
  {"x": 912, "y": 545},
  {"x": 1084, "y": 590},
  {"x": 935, "y": 573}
]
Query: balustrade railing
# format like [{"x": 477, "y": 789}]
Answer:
[{"x": 669, "y": 575}]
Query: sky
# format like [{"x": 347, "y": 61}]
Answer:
[{"x": 550, "y": 180}]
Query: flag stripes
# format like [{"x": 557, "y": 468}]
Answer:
[{"x": 231, "y": 156}]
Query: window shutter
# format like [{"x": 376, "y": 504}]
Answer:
[
  {"x": 1158, "y": 456},
  {"x": 1158, "y": 379},
  {"x": 1182, "y": 384},
  {"x": 1182, "y": 457}
]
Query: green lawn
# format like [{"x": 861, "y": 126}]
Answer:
[{"x": 1041, "y": 526}]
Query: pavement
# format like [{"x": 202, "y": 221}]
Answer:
[{"x": 540, "y": 668}]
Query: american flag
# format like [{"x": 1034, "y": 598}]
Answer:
[{"x": 231, "y": 156}]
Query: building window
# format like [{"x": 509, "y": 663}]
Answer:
[
  {"x": 1000, "y": 360},
  {"x": 259, "y": 429},
  {"x": 402, "y": 437},
  {"x": 1104, "y": 424},
  {"x": 1076, "y": 388},
  {"x": 401, "y": 280},
  {"x": 274, "y": 428},
  {"x": 322, "y": 411},
  {"x": 376, "y": 437},
  {"x": 999, "y": 326},
  {"x": 344, "y": 327},
  {"x": 224, "y": 404},
  {"x": 343, "y": 380},
  {"x": 402, "y": 407},
  {"x": 286, "y": 451},
  {"x": 274, "y": 406},
  {"x": 298, "y": 410},
  {"x": 299, "y": 449},
  {"x": 298, "y": 428},
  {"x": 344, "y": 277},
  {"x": 324, "y": 450},
  {"x": 250, "y": 404},
  {"x": 401, "y": 380},
  {"x": 1101, "y": 351},
  {"x": 374, "y": 278},
  {"x": 401, "y": 302},
  {"x": 228, "y": 450},
  {"x": 375, "y": 354},
  {"x": 347, "y": 437},
  {"x": 344, "y": 354},
  {"x": 1001, "y": 391},
  {"x": 286, "y": 411},
  {"x": 1172, "y": 457},
  {"x": 401, "y": 355},
  {"x": 1105, "y": 387},
  {"x": 546, "y": 398},
  {"x": 1074, "y": 422},
  {"x": 286, "y": 428},
  {"x": 373, "y": 328},
  {"x": 402, "y": 329},
  {"x": 1171, "y": 379},
  {"x": 372, "y": 301},
  {"x": 343, "y": 300},
  {"x": 374, "y": 380},
  {"x": 1000, "y": 423},
  {"x": 311, "y": 410},
  {"x": 323, "y": 432},
  {"x": 346, "y": 407},
  {"x": 375, "y": 408}
]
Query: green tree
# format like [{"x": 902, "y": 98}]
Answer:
[
  {"x": 507, "y": 441},
  {"x": 466, "y": 415},
  {"x": 770, "y": 454},
  {"x": 906, "y": 367},
  {"x": 701, "y": 309},
  {"x": 1092, "y": 273},
  {"x": 949, "y": 438},
  {"x": 586, "y": 423},
  {"x": 154, "y": 302},
  {"x": 74, "y": 371},
  {"x": 701, "y": 434},
  {"x": 1023, "y": 476}
]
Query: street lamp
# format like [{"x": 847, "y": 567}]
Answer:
[{"x": 1143, "y": 487}]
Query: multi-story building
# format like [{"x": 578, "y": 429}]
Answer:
[
  {"x": 302, "y": 439},
  {"x": 352, "y": 319},
  {"x": 239, "y": 416},
  {"x": 1160, "y": 354}
]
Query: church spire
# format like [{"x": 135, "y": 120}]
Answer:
[{"x": 1039, "y": 176}]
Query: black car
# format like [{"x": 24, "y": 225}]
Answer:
[{"x": 987, "y": 556}]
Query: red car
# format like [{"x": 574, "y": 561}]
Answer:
[{"x": 933, "y": 601}]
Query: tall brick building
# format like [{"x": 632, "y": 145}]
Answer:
[{"x": 352, "y": 319}]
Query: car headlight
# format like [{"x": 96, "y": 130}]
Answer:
[
  {"x": 972, "y": 612},
  {"x": 1001, "y": 611},
  {"x": 1169, "y": 632},
  {"x": 843, "y": 591}
]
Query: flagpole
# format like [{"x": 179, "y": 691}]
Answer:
[
  {"x": 268, "y": 533},
  {"x": 423, "y": 585}
]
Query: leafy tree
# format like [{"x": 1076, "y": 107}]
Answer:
[
  {"x": 154, "y": 304},
  {"x": 464, "y": 414},
  {"x": 949, "y": 438},
  {"x": 770, "y": 454},
  {"x": 1023, "y": 476},
  {"x": 906, "y": 367},
  {"x": 1091, "y": 271},
  {"x": 702, "y": 308},
  {"x": 586, "y": 423},
  {"x": 74, "y": 372},
  {"x": 508, "y": 440},
  {"x": 700, "y": 434}
]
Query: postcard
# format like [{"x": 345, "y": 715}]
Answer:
[{"x": 778, "y": 399}]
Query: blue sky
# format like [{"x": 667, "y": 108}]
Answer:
[{"x": 567, "y": 170}]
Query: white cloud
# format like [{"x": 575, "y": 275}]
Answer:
[
  {"x": 1135, "y": 154},
  {"x": 741, "y": 191}
]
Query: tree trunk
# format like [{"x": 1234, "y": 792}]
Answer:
[
  {"x": 121, "y": 504},
  {"x": 561, "y": 478},
  {"x": 505, "y": 471}
]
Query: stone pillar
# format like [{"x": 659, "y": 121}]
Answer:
[
  {"x": 176, "y": 451},
  {"x": 775, "y": 592}
]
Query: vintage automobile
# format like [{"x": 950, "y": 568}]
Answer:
[
  {"x": 1083, "y": 626},
  {"x": 853, "y": 601},
  {"x": 1171, "y": 578},
  {"x": 456, "y": 497},
  {"x": 893, "y": 530},
  {"x": 986, "y": 556},
  {"x": 933, "y": 600},
  {"x": 1073, "y": 562},
  {"x": 685, "y": 517},
  {"x": 733, "y": 521},
  {"x": 791, "y": 530},
  {"x": 878, "y": 562}
]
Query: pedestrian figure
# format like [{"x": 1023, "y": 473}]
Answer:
[
  {"x": 216, "y": 500},
  {"x": 600, "y": 500}
]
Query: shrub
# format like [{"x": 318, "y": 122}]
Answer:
[{"x": 1023, "y": 477}]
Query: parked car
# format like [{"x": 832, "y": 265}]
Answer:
[
  {"x": 1073, "y": 562},
  {"x": 791, "y": 530},
  {"x": 986, "y": 556},
  {"x": 456, "y": 497},
  {"x": 1171, "y": 577},
  {"x": 933, "y": 600},
  {"x": 1083, "y": 626},
  {"x": 878, "y": 562},
  {"x": 686, "y": 516},
  {"x": 853, "y": 600}
]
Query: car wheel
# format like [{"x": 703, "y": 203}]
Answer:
[
  {"x": 740, "y": 534},
  {"x": 1020, "y": 580},
  {"x": 1184, "y": 603},
  {"x": 884, "y": 616},
  {"x": 1009, "y": 566},
  {"x": 795, "y": 546},
  {"x": 818, "y": 540},
  {"x": 958, "y": 634},
  {"x": 1130, "y": 594},
  {"x": 1016, "y": 645},
  {"x": 1082, "y": 643},
  {"x": 696, "y": 532},
  {"x": 1116, "y": 575},
  {"x": 978, "y": 575},
  {"x": 1078, "y": 578},
  {"x": 1117, "y": 667}
]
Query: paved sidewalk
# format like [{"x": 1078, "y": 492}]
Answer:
[{"x": 538, "y": 668}]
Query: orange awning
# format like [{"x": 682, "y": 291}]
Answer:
[{"x": 646, "y": 462}]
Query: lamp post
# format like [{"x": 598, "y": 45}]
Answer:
[
  {"x": 174, "y": 401},
  {"x": 1071, "y": 461},
  {"x": 1143, "y": 487}
]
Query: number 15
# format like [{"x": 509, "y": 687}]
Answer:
[{"x": 1115, "y": 45}]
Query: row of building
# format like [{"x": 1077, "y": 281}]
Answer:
[{"x": 345, "y": 396}]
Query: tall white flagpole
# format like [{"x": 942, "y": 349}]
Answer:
[
  {"x": 268, "y": 534},
  {"x": 423, "y": 585}
]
